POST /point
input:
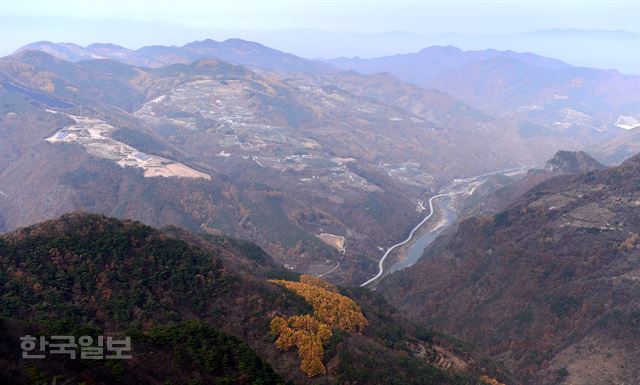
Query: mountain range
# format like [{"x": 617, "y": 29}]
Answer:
[
  {"x": 327, "y": 155},
  {"x": 606, "y": 48},
  {"x": 538, "y": 89},
  {"x": 264, "y": 171},
  {"x": 541, "y": 90},
  {"x": 236, "y": 51}
]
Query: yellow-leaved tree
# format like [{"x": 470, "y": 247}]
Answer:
[
  {"x": 329, "y": 307},
  {"x": 309, "y": 333}
]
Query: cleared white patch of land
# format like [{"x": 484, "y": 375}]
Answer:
[
  {"x": 336, "y": 241},
  {"x": 93, "y": 136}
]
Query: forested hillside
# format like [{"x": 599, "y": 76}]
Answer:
[{"x": 200, "y": 309}]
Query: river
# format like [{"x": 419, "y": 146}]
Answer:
[{"x": 448, "y": 215}]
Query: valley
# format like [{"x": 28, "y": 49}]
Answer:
[
  {"x": 413, "y": 247},
  {"x": 327, "y": 160},
  {"x": 442, "y": 217},
  {"x": 409, "y": 237},
  {"x": 339, "y": 159},
  {"x": 485, "y": 275}
]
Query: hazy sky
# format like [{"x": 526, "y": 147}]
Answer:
[
  {"x": 458, "y": 16},
  {"x": 331, "y": 28}
]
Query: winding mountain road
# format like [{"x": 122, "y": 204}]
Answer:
[
  {"x": 330, "y": 271},
  {"x": 465, "y": 180},
  {"x": 389, "y": 250}
]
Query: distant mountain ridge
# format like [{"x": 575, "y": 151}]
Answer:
[
  {"x": 541, "y": 90},
  {"x": 236, "y": 51},
  {"x": 544, "y": 91},
  {"x": 428, "y": 63}
]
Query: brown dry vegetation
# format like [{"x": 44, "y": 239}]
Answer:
[{"x": 533, "y": 281}]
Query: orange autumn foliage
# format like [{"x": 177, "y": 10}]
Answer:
[
  {"x": 315, "y": 281},
  {"x": 309, "y": 333},
  {"x": 629, "y": 243},
  {"x": 329, "y": 307},
  {"x": 490, "y": 381}
]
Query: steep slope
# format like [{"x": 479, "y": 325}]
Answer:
[
  {"x": 567, "y": 162},
  {"x": 500, "y": 191},
  {"x": 435, "y": 106},
  {"x": 618, "y": 148},
  {"x": 549, "y": 284},
  {"x": 197, "y": 309},
  {"x": 100, "y": 82}
]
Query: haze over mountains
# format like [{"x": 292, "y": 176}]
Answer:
[
  {"x": 232, "y": 50},
  {"x": 609, "y": 49},
  {"x": 365, "y": 146},
  {"x": 543, "y": 90},
  {"x": 324, "y": 165},
  {"x": 506, "y": 81}
]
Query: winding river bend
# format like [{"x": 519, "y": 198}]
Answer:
[
  {"x": 389, "y": 250},
  {"x": 449, "y": 214}
]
